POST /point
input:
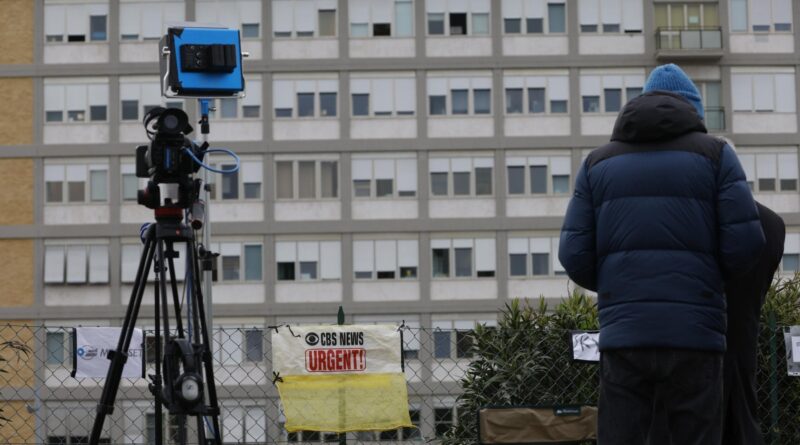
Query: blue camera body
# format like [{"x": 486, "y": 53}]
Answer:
[{"x": 201, "y": 62}]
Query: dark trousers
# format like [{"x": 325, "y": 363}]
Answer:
[{"x": 688, "y": 382}]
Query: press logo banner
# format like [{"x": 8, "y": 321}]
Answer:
[
  {"x": 90, "y": 356},
  {"x": 341, "y": 378}
]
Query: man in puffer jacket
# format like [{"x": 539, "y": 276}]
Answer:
[{"x": 660, "y": 217}]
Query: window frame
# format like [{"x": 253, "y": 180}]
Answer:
[
  {"x": 297, "y": 262},
  {"x": 752, "y": 168},
  {"x": 533, "y": 246},
  {"x": 398, "y": 268},
  {"x": 90, "y": 9},
  {"x": 370, "y": 23},
  {"x": 473, "y": 84},
  {"x": 218, "y": 276},
  {"x": 215, "y": 179},
  {"x": 373, "y": 185},
  {"x": 456, "y": 244},
  {"x": 470, "y": 12},
  {"x": 600, "y": 25},
  {"x": 89, "y": 259},
  {"x": 524, "y": 16},
  {"x": 532, "y": 160},
  {"x": 371, "y": 114},
  {"x": 749, "y": 21},
  {"x": 318, "y": 6},
  {"x": 626, "y": 82},
  {"x": 530, "y": 82},
  {"x": 86, "y": 84},
  {"x": 318, "y": 186},
  {"x": 89, "y": 167},
  {"x": 473, "y": 183},
  {"x": 317, "y": 92}
]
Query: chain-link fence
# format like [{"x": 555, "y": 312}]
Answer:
[{"x": 43, "y": 404}]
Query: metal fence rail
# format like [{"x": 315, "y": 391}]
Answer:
[{"x": 42, "y": 404}]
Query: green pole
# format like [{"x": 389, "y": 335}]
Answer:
[
  {"x": 774, "y": 432},
  {"x": 342, "y": 407}
]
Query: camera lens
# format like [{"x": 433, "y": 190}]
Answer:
[{"x": 170, "y": 122}]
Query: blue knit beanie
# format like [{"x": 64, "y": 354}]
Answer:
[{"x": 672, "y": 78}]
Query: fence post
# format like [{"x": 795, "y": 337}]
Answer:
[
  {"x": 774, "y": 433},
  {"x": 342, "y": 407}
]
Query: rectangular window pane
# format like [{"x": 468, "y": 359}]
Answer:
[
  {"x": 439, "y": 184},
  {"x": 305, "y": 104},
  {"x": 536, "y": 100},
  {"x": 463, "y": 258},
  {"x": 251, "y": 110},
  {"x": 791, "y": 262},
  {"x": 591, "y": 104},
  {"x": 229, "y": 108},
  {"x": 541, "y": 263},
  {"x": 55, "y": 348},
  {"x": 230, "y": 268},
  {"x": 408, "y": 272},
  {"x": 360, "y": 104},
  {"x": 461, "y": 183},
  {"x": 97, "y": 27},
  {"x": 54, "y": 116},
  {"x": 307, "y": 180},
  {"x": 308, "y": 270},
  {"x": 284, "y": 180},
  {"x": 76, "y": 191},
  {"x": 560, "y": 183},
  {"x": 518, "y": 266},
  {"x": 480, "y": 24},
  {"x": 438, "y": 105},
  {"x": 252, "y": 190},
  {"x": 327, "y": 23},
  {"x": 483, "y": 180},
  {"x": 99, "y": 186},
  {"x": 130, "y": 110},
  {"x": 381, "y": 29},
  {"x": 327, "y": 104},
  {"x": 632, "y": 92},
  {"x": 588, "y": 28},
  {"x": 558, "y": 106},
  {"x": 463, "y": 344},
  {"x": 516, "y": 180},
  {"x": 250, "y": 30},
  {"x": 97, "y": 113},
  {"x": 788, "y": 184},
  {"x": 739, "y": 15},
  {"x": 538, "y": 178},
  {"x": 443, "y": 420},
  {"x": 513, "y": 100},
  {"x": 54, "y": 191},
  {"x": 286, "y": 271},
  {"x": 512, "y": 26},
  {"x": 359, "y": 30},
  {"x": 611, "y": 27},
  {"x": 460, "y": 103},
  {"x": 436, "y": 24},
  {"x": 361, "y": 188},
  {"x": 230, "y": 183},
  {"x": 130, "y": 186},
  {"x": 254, "y": 339},
  {"x": 483, "y": 101},
  {"x": 458, "y": 24},
  {"x": 252, "y": 263},
  {"x": 534, "y": 25},
  {"x": 329, "y": 181},
  {"x": 283, "y": 112},
  {"x": 766, "y": 185},
  {"x": 613, "y": 97},
  {"x": 556, "y": 17},
  {"x": 403, "y": 19},
  {"x": 383, "y": 187},
  {"x": 441, "y": 263},
  {"x": 441, "y": 344}
]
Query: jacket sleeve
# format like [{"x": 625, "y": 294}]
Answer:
[
  {"x": 741, "y": 237},
  {"x": 577, "y": 249}
]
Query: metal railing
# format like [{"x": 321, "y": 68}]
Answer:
[
  {"x": 42, "y": 404},
  {"x": 699, "y": 38}
]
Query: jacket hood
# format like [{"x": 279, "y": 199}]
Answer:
[{"x": 655, "y": 116}]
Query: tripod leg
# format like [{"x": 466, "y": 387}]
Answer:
[
  {"x": 174, "y": 285},
  {"x": 157, "y": 378},
  {"x": 120, "y": 355}
]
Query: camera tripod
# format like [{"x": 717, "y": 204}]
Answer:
[{"x": 186, "y": 360}]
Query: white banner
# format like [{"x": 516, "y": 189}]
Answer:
[
  {"x": 326, "y": 349},
  {"x": 90, "y": 356},
  {"x": 585, "y": 346}
]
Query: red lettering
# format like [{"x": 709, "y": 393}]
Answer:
[{"x": 335, "y": 360}]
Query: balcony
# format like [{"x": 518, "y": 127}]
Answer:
[{"x": 688, "y": 43}]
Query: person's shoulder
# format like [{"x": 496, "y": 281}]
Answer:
[{"x": 606, "y": 151}]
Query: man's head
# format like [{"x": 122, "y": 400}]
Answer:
[{"x": 672, "y": 78}]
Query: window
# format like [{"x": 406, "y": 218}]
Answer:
[
  {"x": 308, "y": 260},
  {"x": 770, "y": 172},
  {"x": 384, "y": 177},
  {"x": 534, "y": 17},
  {"x": 138, "y": 95},
  {"x": 130, "y": 183},
  {"x": 604, "y": 94},
  {"x": 470, "y": 258},
  {"x": 244, "y": 184},
  {"x": 240, "y": 14},
  {"x": 248, "y": 107},
  {"x": 238, "y": 262},
  {"x": 76, "y": 183},
  {"x": 385, "y": 259},
  {"x": 790, "y": 263},
  {"x": 461, "y": 176},
  {"x": 534, "y": 257},
  {"x": 131, "y": 254},
  {"x": 76, "y": 264},
  {"x": 761, "y": 15},
  {"x": 452, "y": 339},
  {"x": 307, "y": 179},
  {"x": 610, "y": 16},
  {"x": 243, "y": 424},
  {"x": 76, "y": 22},
  {"x": 254, "y": 345},
  {"x": 381, "y": 18},
  {"x": 536, "y": 94},
  {"x": 466, "y": 96},
  {"x": 458, "y": 18},
  {"x": 304, "y": 18},
  {"x": 305, "y": 98},
  {"x": 55, "y": 343},
  {"x": 772, "y": 91},
  {"x": 82, "y": 102},
  {"x": 711, "y": 93},
  {"x": 538, "y": 175},
  {"x": 384, "y": 96},
  {"x": 146, "y": 20}
]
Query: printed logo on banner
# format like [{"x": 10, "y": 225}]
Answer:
[
  {"x": 312, "y": 338},
  {"x": 87, "y": 352}
]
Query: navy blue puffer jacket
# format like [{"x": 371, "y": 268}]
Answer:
[{"x": 659, "y": 217}]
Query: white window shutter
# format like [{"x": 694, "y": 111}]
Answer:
[
  {"x": 231, "y": 428},
  {"x": 440, "y": 244},
  {"x": 76, "y": 264},
  {"x": 384, "y": 169},
  {"x": 128, "y": 91},
  {"x": 359, "y": 11},
  {"x": 439, "y": 165},
  {"x": 787, "y": 166},
  {"x": 457, "y": 6},
  {"x": 459, "y": 83},
  {"x": 760, "y": 13},
  {"x": 742, "y": 91},
  {"x": 98, "y": 264},
  {"x": 513, "y": 82},
  {"x": 385, "y": 255},
  {"x": 362, "y": 169},
  {"x": 463, "y": 243},
  {"x": 359, "y": 86},
  {"x": 252, "y": 172},
  {"x": 54, "y": 97},
  {"x": 53, "y": 173},
  {"x": 282, "y": 17},
  {"x": 405, "y": 95},
  {"x": 77, "y": 20},
  {"x": 76, "y": 97},
  {"x": 560, "y": 165},
  {"x": 232, "y": 355},
  {"x": 483, "y": 162},
  {"x": 283, "y": 93},
  {"x": 256, "y": 425},
  {"x": 98, "y": 94},
  {"x": 54, "y": 19},
  {"x": 250, "y": 11},
  {"x": 480, "y": 6},
  {"x": 54, "y": 264},
  {"x": 588, "y": 11},
  {"x": 540, "y": 245},
  {"x": 634, "y": 81},
  {"x": 382, "y": 11},
  {"x": 382, "y": 98},
  {"x": 512, "y": 9},
  {"x": 329, "y": 86},
  {"x": 748, "y": 162},
  {"x": 632, "y": 15},
  {"x": 228, "y": 16},
  {"x": 180, "y": 262},
  {"x": 612, "y": 81},
  {"x": 515, "y": 162},
  {"x": 559, "y": 87},
  {"x": 174, "y": 12},
  {"x": 435, "y": 6},
  {"x": 305, "y": 86},
  {"x": 407, "y": 175},
  {"x": 518, "y": 245},
  {"x": 304, "y": 15},
  {"x": 408, "y": 253},
  {"x": 308, "y": 251},
  {"x": 590, "y": 86},
  {"x": 150, "y": 94},
  {"x": 534, "y": 9},
  {"x": 331, "y": 264},
  {"x": 76, "y": 173},
  {"x": 461, "y": 165},
  {"x": 485, "y": 255},
  {"x": 285, "y": 251},
  {"x": 437, "y": 86},
  {"x": 253, "y": 96},
  {"x": 792, "y": 243},
  {"x": 130, "y": 262},
  {"x": 766, "y": 165},
  {"x": 363, "y": 260},
  {"x": 764, "y": 97},
  {"x": 151, "y": 21},
  {"x": 482, "y": 83},
  {"x": 786, "y": 101},
  {"x": 206, "y": 12}
]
